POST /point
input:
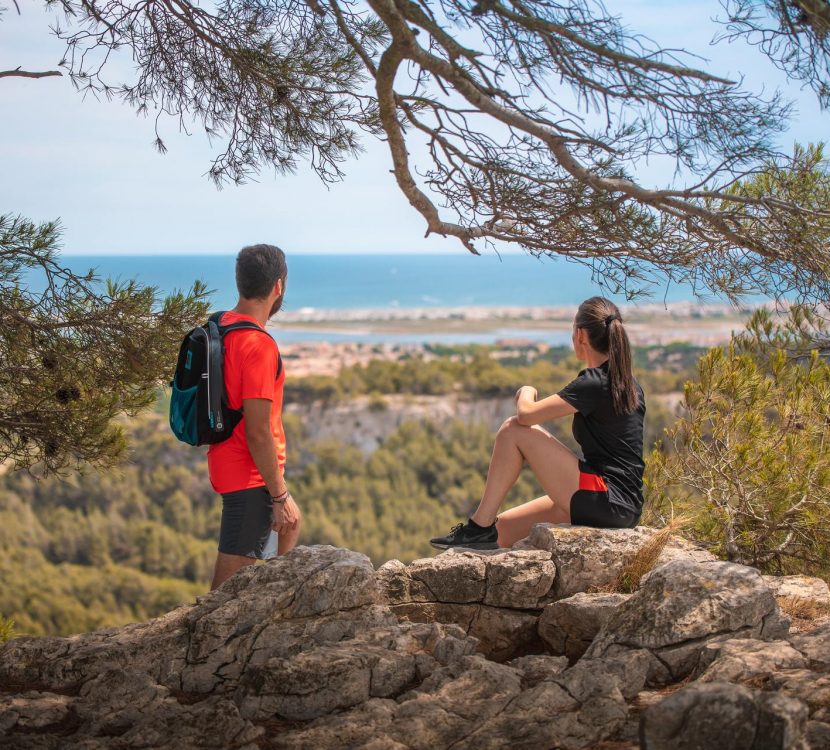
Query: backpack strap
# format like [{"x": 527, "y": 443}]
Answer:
[
  {"x": 242, "y": 325},
  {"x": 217, "y": 316}
]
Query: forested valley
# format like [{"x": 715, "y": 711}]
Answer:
[{"x": 85, "y": 549}]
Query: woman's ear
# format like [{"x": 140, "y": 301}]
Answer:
[{"x": 278, "y": 288}]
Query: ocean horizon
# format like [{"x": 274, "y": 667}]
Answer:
[
  {"x": 344, "y": 283},
  {"x": 378, "y": 281}
]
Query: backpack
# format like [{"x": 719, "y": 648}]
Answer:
[{"x": 199, "y": 411}]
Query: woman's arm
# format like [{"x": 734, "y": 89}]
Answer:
[{"x": 529, "y": 411}]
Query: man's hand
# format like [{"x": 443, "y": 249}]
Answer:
[{"x": 286, "y": 515}]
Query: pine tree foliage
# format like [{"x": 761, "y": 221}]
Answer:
[
  {"x": 751, "y": 458},
  {"x": 794, "y": 34},
  {"x": 530, "y": 123},
  {"x": 76, "y": 352}
]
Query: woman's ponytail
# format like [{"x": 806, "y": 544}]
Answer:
[{"x": 602, "y": 320}]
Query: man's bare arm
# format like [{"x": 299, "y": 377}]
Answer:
[
  {"x": 261, "y": 444},
  {"x": 264, "y": 452}
]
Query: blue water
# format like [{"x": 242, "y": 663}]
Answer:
[
  {"x": 344, "y": 282},
  {"x": 380, "y": 281},
  {"x": 549, "y": 337}
]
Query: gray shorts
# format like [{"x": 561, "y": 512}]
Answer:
[{"x": 245, "y": 528}]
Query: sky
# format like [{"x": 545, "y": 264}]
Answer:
[{"x": 91, "y": 164}]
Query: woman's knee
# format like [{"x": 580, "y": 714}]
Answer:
[{"x": 510, "y": 425}]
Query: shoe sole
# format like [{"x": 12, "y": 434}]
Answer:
[{"x": 471, "y": 545}]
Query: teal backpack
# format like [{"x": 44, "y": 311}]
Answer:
[{"x": 199, "y": 411}]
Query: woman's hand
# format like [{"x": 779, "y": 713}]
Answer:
[
  {"x": 526, "y": 391},
  {"x": 286, "y": 515}
]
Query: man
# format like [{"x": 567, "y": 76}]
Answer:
[{"x": 247, "y": 468}]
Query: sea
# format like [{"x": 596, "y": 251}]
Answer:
[{"x": 382, "y": 282}]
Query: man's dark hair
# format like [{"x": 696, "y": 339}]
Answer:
[{"x": 258, "y": 268}]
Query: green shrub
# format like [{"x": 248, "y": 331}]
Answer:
[
  {"x": 751, "y": 459},
  {"x": 6, "y": 629}
]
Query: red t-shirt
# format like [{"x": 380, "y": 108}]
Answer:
[{"x": 250, "y": 372}]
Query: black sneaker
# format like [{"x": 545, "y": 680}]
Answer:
[{"x": 469, "y": 536}]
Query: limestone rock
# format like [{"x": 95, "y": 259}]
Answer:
[
  {"x": 815, "y": 645},
  {"x": 376, "y": 664},
  {"x": 316, "y": 649},
  {"x": 264, "y": 610},
  {"x": 474, "y": 704},
  {"x": 569, "y": 625},
  {"x": 199, "y": 647},
  {"x": 33, "y": 710},
  {"x": 495, "y": 597},
  {"x": 629, "y": 669},
  {"x": 537, "y": 668},
  {"x": 501, "y": 633},
  {"x": 512, "y": 579},
  {"x": 54, "y": 663},
  {"x": 682, "y": 606},
  {"x": 720, "y": 715},
  {"x": 812, "y": 688},
  {"x": 741, "y": 659},
  {"x": 295, "y": 638},
  {"x": 123, "y": 709},
  {"x": 818, "y": 735},
  {"x": 589, "y": 559},
  {"x": 519, "y": 580},
  {"x": 801, "y": 594},
  {"x": 452, "y": 577}
]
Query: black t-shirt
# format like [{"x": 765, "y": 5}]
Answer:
[{"x": 612, "y": 444}]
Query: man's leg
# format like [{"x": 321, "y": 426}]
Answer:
[
  {"x": 226, "y": 566},
  {"x": 244, "y": 528}
]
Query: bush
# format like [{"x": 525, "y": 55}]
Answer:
[
  {"x": 6, "y": 629},
  {"x": 751, "y": 458}
]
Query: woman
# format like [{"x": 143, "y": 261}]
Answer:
[{"x": 608, "y": 406}]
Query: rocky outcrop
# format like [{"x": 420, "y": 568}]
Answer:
[
  {"x": 494, "y": 597},
  {"x": 498, "y": 597},
  {"x": 475, "y": 704},
  {"x": 366, "y": 423},
  {"x": 570, "y": 625},
  {"x": 591, "y": 559},
  {"x": 815, "y": 645},
  {"x": 800, "y": 595},
  {"x": 743, "y": 659},
  {"x": 720, "y": 715},
  {"x": 685, "y": 605},
  {"x": 464, "y": 650},
  {"x": 297, "y": 638}
]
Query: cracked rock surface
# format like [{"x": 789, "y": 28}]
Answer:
[
  {"x": 316, "y": 649},
  {"x": 685, "y": 605}
]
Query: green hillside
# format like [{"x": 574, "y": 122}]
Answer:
[{"x": 88, "y": 549}]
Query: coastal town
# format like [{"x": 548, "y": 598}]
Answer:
[{"x": 321, "y": 342}]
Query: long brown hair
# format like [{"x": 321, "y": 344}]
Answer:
[{"x": 602, "y": 320}]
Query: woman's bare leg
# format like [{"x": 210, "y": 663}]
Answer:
[
  {"x": 516, "y": 523},
  {"x": 555, "y": 466}
]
